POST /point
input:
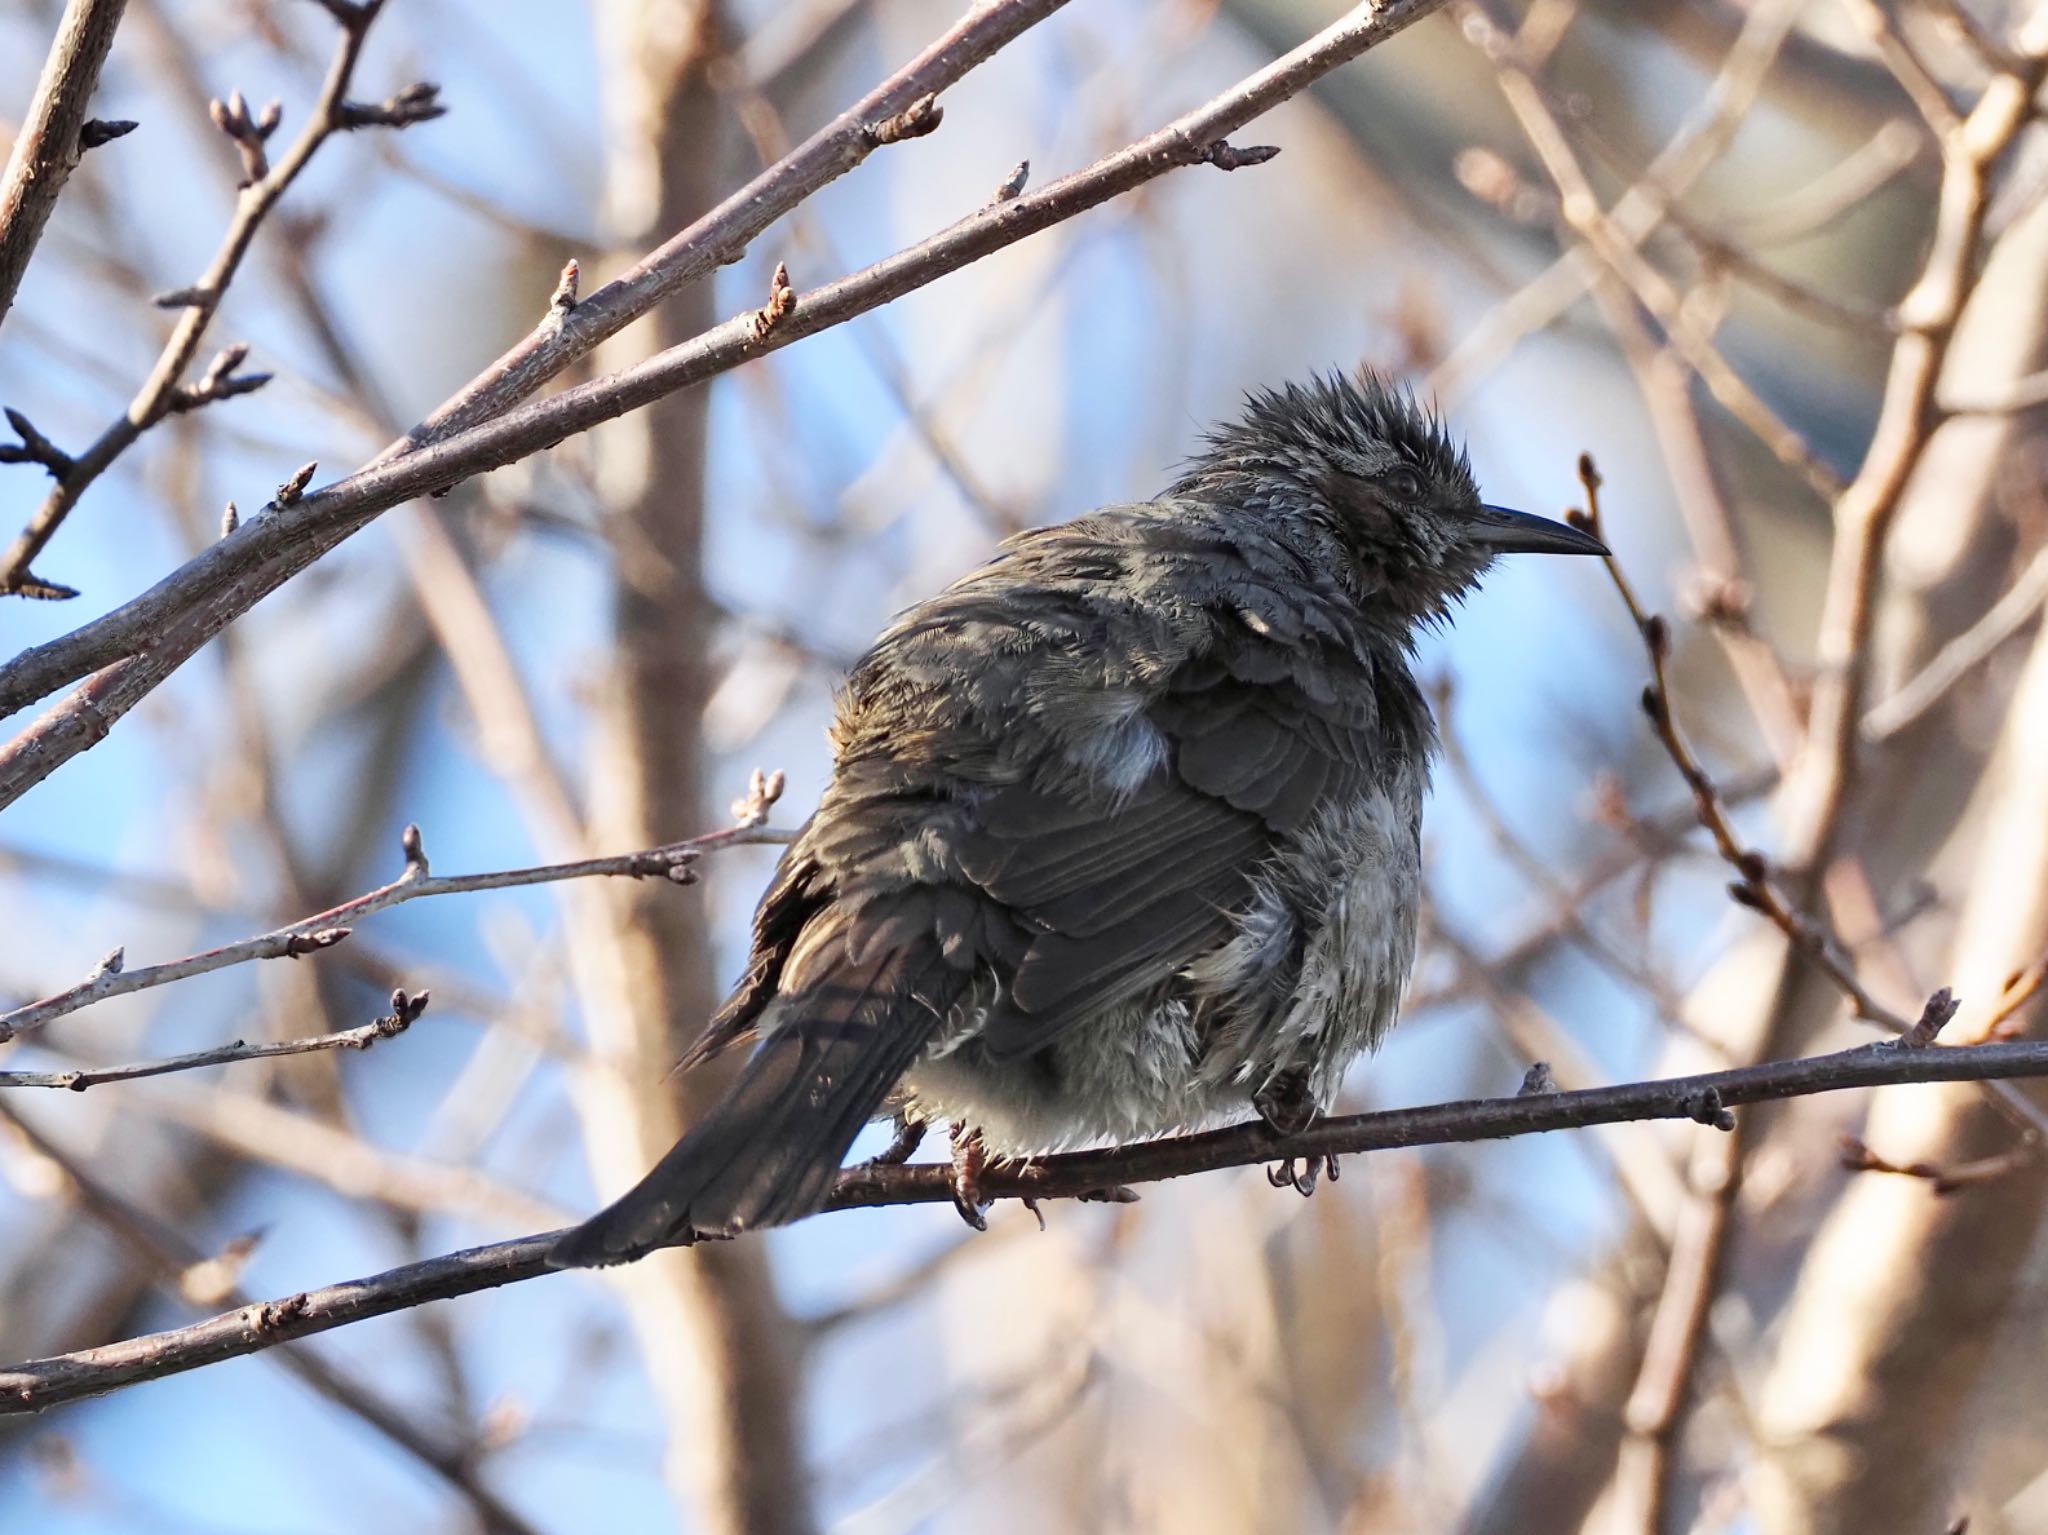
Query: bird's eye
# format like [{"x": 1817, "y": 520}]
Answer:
[{"x": 1403, "y": 483}]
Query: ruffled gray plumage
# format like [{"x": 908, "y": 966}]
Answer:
[{"x": 1124, "y": 826}]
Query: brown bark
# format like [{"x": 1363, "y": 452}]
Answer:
[
  {"x": 1907, "y": 1306},
  {"x": 1887, "y": 1327},
  {"x": 48, "y": 147}
]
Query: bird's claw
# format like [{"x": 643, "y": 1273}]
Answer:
[
  {"x": 970, "y": 1161},
  {"x": 969, "y": 1211},
  {"x": 1304, "y": 1177}
]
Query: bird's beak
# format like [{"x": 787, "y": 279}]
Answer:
[{"x": 1501, "y": 531}]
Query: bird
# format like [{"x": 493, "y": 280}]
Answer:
[{"x": 1123, "y": 831}]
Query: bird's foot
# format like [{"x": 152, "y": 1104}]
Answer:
[
  {"x": 1287, "y": 1103},
  {"x": 970, "y": 1161},
  {"x": 1303, "y": 1173},
  {"x": 909, "y": 1136}
]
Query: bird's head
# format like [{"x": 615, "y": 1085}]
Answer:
[{"x": 1381, "y": 478}]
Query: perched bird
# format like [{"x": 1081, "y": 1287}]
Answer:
[{"x": 1124, "y": 828}]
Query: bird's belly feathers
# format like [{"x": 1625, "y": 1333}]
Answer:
[{"x": 1310, "y": 977}]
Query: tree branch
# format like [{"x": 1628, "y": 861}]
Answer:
[
  {"x": 158, "y": 631},
  {"x": 1753, "y": 886},
  {"x": 405, "y": 1012},
  {"x": 54, "y": 135},
  {"x": 1961, "y": 655},
  {"x": 183, "y": 1271},
  {"x": 573, "y": 326},
  {"x": 901, "y": 107},
  {"x": 43, "y": 1383},
  {"x": 324, "y": 929},
  {"x": 1817, "y": 790},
  {"x": 1814, "y": 796}
]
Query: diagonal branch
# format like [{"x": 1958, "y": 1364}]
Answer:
[
  {"x": 902, "y": 107},
  {"x": 182, "y": 1268},
  {"x": 1753, "y": 886},
  {"x": 44, "y": 1383},
  {"x": 573, "y": 327},
  {"x": 405, "y": 1012},
  {"x": 55, "y": 134},
  {"x": 158, "y": 631}
]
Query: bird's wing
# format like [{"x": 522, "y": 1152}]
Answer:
[
  {"x": 1120, "y": 894},
  {"x": 1072, "y": 791}
]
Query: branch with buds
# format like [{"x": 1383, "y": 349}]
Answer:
[
  {"x": 1752, "y": 887},
  {"x": 54, "y": 134},
  {"x": 263, "y": 182},
  {"x": 406, "y": 1010},
  {"x": 323, "y": 930},
  {"x": 247, "y": 131}
]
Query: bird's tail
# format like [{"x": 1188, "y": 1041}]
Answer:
[{"x": 767, "y": 1152}]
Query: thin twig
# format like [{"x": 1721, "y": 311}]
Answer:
[
  {"x": 324, "y": 929},
  {"x": 1753, "y": 886},
  {"x": 1942, "y": 1178},
  {"x": 2001, "y": 1021},
  {"x": 405, "y": 1012},
  {"x": 43, "y": 1383}
]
